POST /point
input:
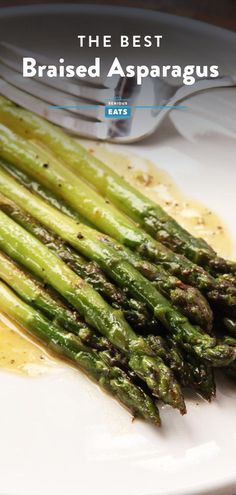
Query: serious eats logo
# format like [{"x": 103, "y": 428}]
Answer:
[{"x": 117, "y": 108}]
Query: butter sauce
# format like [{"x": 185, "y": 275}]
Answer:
[
  {"x": 20, "y": 353},
  {"x": 157, "y": 184}
]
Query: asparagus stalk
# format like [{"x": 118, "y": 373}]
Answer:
[
  {"x": 79, "y": 196},
  {"x": 112, "y": 379},
  {"x": 187, "y": 299},
  {"x": 228, "y": 340},
  {"x": 42, "y": 191},
  {"x": 32, "y": 292},
  {"x": 135, "y": 311},
  {"x": 201, "y": 344},
  {"x": 141, "y": 209},
  {"x": 190, "y": 371},
  {"x": 198, "y": 375},
  {"x": 28, "y": 251}
]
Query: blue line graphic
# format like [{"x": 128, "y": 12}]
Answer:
[{"x": 103, "y": 106}]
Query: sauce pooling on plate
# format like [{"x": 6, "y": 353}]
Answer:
[
  {"x": 20, "y": 354},
  {"x": 160, "y": 187}
]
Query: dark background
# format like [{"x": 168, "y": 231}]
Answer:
[{"x": 219, "y": 12}]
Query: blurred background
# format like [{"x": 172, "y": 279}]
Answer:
[{"x": 219, "y": 12}]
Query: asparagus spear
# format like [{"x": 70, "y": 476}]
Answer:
[
  {"x": 135, "y": 311},
  {"x": 31, "y": 291},
  {"x": 228, "y": 340},
  {"x": 34, "y": 293},
  {"x": 122, "y": 272},
  {"x": 42, "y": 191},
  {"x": 146, "y": 212},
  {"x": 198, "y": 375},
  {"x": 191, "y": 371},
  {"x": 113, "y": 380},
  {"x": 187, "y": 299},
  {"x": 28, "y": 251},
  {"x": 52, "y": 173},
  {"x": 65, "y": 225}
]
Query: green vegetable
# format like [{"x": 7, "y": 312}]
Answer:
[
  {"x": 187, "y": 300},
  {"x": 135, "y": 312},
  {"x": 82, "y": 238},
  {"x": 34, "y": 293},
  {"x": 189, "y": 371},
  {"x": 112, "y": 379},
  {"x": 78, "y": 195},
  {"x": 141, "y": 209},
  {"x": 228, "y": 340},
  {"x": 28, "y": 251},
  {"x": 42, "y": 191}
]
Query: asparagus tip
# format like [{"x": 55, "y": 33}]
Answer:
[{"x": 221, "y": 355}]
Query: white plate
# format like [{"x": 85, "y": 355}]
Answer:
[{"x": 60, "y": 434}]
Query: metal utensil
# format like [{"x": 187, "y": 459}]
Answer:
[{"x": 85, "y": 101}]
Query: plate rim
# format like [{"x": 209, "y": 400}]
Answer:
[{"x": 60, "y": 8}]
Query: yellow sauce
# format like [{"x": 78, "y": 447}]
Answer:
[
  {"x": 156, "y": 183},
  {"x": 21, "y": 354}
]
